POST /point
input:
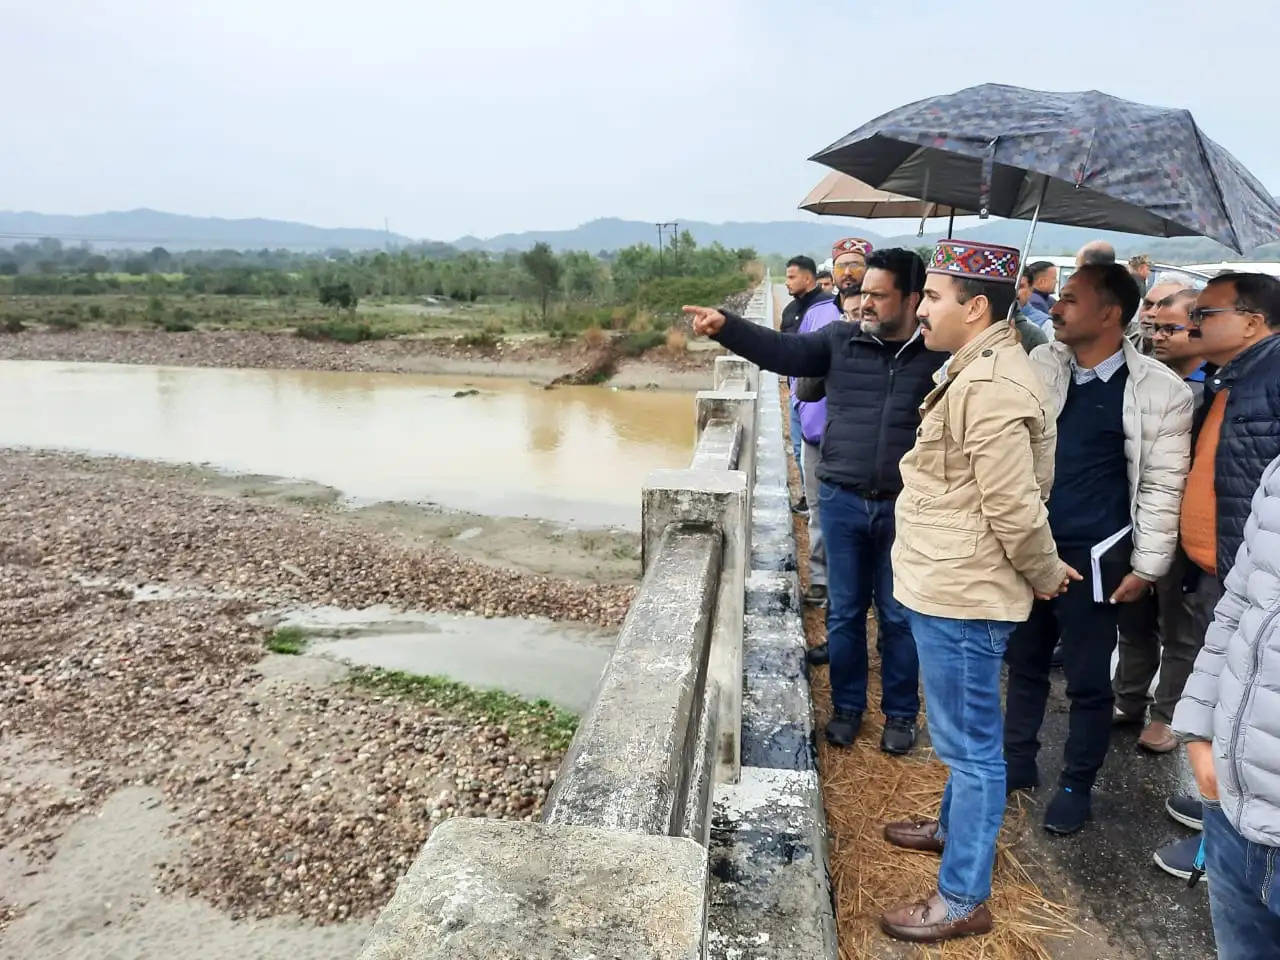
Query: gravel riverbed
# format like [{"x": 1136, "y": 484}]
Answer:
[{"x": 295, "y": 793}]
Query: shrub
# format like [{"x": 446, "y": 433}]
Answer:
[
  {"x": 594, "y": 337},
  {"x": 479, "y": 340},
  {"x": 636, "y": 344},
  {"x": 13, "y": 325},
  {"x": 95, "y": 312},
  {"x": 340, "y": 331},
  {"x": 677, "y": 342},
  {"x": 177, "y": 326},
  {"x": 60, "y": 321}
]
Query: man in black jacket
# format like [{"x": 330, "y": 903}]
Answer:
[
  {"x": 802, "y": 284},
  {"x": 877, "y": 373},
  {"x": 1235, "y": 324}
]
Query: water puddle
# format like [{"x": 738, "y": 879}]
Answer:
[
  {"x": 559, "y": 662},
  {"x": 492, "y": 446}
]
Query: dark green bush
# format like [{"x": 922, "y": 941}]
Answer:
[
  {"x": 342, "y": 332},
  {"x": 635, "y": 344}
]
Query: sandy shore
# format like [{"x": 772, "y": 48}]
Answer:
[
  {"x": 534, "y": 359},
  {"x": 166, "y": 789}
]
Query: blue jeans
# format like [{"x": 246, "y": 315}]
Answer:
[
  {"x": 858, "y": 535},
  {"x": 1244, "y": 890},
  {"x": 960, "y": 662},
  {"x": 795, "y": 436}
]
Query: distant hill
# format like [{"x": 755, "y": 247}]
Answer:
[
  {"x": 175, "y": 231},
  {"x": 143, "y": 229},
  {"x": 788, "y": 237},
  {"x": 610, "y": 233}
]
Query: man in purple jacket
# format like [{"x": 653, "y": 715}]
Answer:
[{"x": 813, "y": 418}]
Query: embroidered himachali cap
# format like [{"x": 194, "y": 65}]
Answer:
[
  {"x": 850, "y": 245},
  {"x": 976, "y": 261}
]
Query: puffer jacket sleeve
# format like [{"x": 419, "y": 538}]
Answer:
[
  {"x": 1161, "y": 482},
  {"x": 993, "y": 418},
  {"x": 1193, "y": 718}
]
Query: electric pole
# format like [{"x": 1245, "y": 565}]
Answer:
[{"x": 661, "y": 227}]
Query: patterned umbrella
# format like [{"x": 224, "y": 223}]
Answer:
[{"x": 1085, "y": 159}]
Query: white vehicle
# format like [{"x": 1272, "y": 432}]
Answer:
[
  {"x": 1270, "y": 267},
  {"x": 1195, "y": 276}
]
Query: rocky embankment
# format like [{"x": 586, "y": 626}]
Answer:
[
  {"x": 296, "y": 791},
  {"x": 535, "y": 358}
]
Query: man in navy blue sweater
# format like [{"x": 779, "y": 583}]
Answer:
[{"x": 1124, "y": 429}]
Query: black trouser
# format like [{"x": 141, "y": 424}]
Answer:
[
  {"x": 1164, "y": 631},
  {"x": 1088, "y": 634}
]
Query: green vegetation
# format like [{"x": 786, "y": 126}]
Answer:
[
  {"x": 343, "y": 331},
  {"x": 539, "y": 721},
  {"x": 422, "y": 290},
  {"x": 288, "y": 640}
]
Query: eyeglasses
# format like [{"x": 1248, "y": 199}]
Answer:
[
  {"x": 1164, "y": 329},
  {"x": 840, "y": 268},
  {"x": 1199, "y": 313}
]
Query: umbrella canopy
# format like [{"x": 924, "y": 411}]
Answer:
[
  {"x": 839, "y": 195},
  {"x": 1084, "y": 159}
]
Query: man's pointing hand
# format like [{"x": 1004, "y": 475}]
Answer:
[{"x": 707, "y": 321}]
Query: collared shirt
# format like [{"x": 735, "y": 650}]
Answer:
[{"x": 1103, "y": 371}]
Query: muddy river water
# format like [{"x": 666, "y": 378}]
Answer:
[{"x": 493, "y": 446}]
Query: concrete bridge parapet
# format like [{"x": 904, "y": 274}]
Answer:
[{"x": 686, "y": 821}]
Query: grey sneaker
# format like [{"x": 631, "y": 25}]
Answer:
[{"x": 816, "y": 595}]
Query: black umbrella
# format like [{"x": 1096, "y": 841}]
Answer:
[{"x": 1085, "y": 159}]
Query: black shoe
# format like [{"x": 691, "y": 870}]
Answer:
[
  {"x": 1020, "y": 779},
  {"x": 817, "y": 656},
  {"x": 801, "y": 506},
  {"x": 1055, "y": 660},
  {"x": 1179, "y": 858},
  {"x": 816, "y": 595},
  {"x": 899, "y": 735},
  {"x": 842, "y": 728},
  {"x": 1068, "y": 811},
  {"x": 1188, "y": 811}
]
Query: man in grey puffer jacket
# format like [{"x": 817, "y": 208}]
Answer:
[{"x": 1229, "y": 715}]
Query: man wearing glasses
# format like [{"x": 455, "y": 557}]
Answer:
[
  {"x": 1235, "y": 322},
  {"x": 1164, "y": 631},
  {"x": 1139, "y": 333},
  {"x": 848, "y": 267}
]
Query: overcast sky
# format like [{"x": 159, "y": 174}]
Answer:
[{"x": 452, "y": 117}]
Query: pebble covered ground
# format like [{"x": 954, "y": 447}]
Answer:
[
  {"x": 297, "y": 796},
  {"x": 284, "y": 351}
]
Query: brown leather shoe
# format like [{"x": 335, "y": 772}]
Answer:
[
  {"x": 1158, "y": 738},
  {"x": 914, "y": 835},
  {"x": 925, "y": 921}
]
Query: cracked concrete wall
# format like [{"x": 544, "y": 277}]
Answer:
[
  {"x": 628, "y": 765},
  {"x": 495, "y": 890}
]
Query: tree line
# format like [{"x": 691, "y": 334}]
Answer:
[{"x": 426, "y": 270}]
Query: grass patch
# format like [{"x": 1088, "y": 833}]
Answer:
[
  {"x": 342, "y": 331},
  {"x": 287, "y": 640},
  {"x": 637, "y": 344},
  {"x": 540, "y": 720}
]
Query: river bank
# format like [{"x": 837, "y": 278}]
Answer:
[
  {"x": 164, "y": 780},
  {"x": 534, "y": 358}
]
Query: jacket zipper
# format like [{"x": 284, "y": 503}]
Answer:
[
  {"x": 884, "y": 425},
  {"x": 1233, "y": 754}
]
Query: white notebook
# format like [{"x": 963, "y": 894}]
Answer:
[{"x": 1096, "y": 553}]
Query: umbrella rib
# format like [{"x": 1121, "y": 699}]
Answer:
[{"x": 1217, "y": 187}]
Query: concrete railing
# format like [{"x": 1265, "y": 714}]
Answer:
[{"x": 618, "y": 866}]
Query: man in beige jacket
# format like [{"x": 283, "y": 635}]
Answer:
[{"x": 973, "y": 549}]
